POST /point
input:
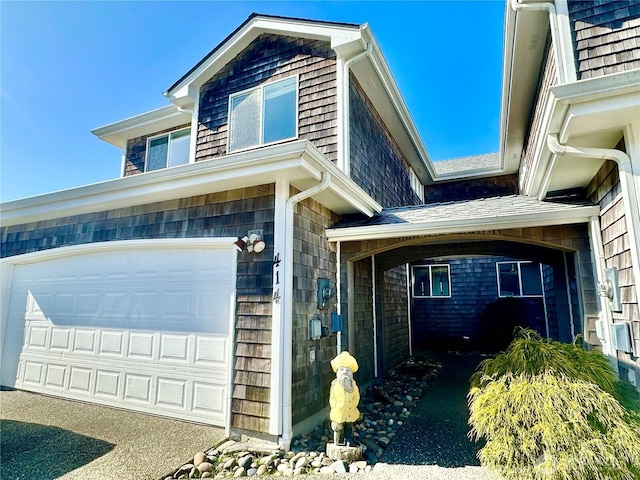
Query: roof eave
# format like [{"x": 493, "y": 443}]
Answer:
[
  {"x": 299, "y": 162},
  {"x": 117, "y": 133},
  {"x": 493, "y": 222}
]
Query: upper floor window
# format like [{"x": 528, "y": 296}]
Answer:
[
  {"x": 416, "y": 184},
  {"x": 168, "y": 150},
  {"x": 519, "y": 279},
  {"x": 431, "y": 281},
  {"x": 264, "y": 114}
]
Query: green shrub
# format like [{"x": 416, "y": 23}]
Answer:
[
  {"x": 550, "y": 410},
  {"x": 548, "y": 426},
  {"x": 530, "y": 354}
]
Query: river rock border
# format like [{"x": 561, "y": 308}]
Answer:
[{"x": 384, "y": 409}]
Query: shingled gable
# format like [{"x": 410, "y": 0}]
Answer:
[{"x": 345, "y": 38}]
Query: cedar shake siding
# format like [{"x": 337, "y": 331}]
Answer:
[
  {"x": 396, "y": 313},
  {"x": 377, "y": 163},
  {"x": 605, "y": 189},
  {"x": 136, "y": 152},
  {"x": 269, "y": 58},
  {"x": 548, "y": 78},
  {"x": 313, "y": 257},
  {"x": 606, "y": 36},
  {"x": 361, "y": 321},
  {"x": 223, "y": 214},
  {"x": 471, "y": 189}
]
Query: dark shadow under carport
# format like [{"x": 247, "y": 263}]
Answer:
[{"x": 436, "y": 431}]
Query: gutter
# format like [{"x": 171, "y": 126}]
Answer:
[
  {"x": 627, "y": 184},
  {"x": 286, "y": 318},
  {"x": 556, "y": 37}
]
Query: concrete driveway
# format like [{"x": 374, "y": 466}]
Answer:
[{"x": 47, "y": 438}]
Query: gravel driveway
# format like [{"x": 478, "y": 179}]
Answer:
[{"x": 46, "y": 438}]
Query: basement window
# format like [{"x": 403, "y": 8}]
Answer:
[
  {"x": 168, "y": 150},
  {"x": 519, "y": 279},
  {"x": 431, "y": 281},
  {"x": 263, "y": 115}
]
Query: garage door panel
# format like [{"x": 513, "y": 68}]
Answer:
[
  {"x": 55, "y": 376},
  {"x": 147, "y": 331},
  {"x": 80, "y": 380}
]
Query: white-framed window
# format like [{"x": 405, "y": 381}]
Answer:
[
  {"x": 168, "y": 150},
  {"x": 519, "y": 279},
  {"x": 264, "y": 114},
  {"x": 431, "y": 281},
  {"x": 416, "y": 184}
]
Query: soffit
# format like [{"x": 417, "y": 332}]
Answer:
[{"x": 525, "y": 38}]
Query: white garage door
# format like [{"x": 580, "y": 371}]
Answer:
[{"x": 141, "y": 328}]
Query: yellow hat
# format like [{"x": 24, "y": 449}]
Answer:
[{"x": 344, "y": 360}]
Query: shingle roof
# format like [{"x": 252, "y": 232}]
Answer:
[
  {"x": 472, "y": 162},
  {"x": 467, "y": 210}
]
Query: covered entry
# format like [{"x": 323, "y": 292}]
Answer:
[
  {"x": 142, "y": 325},
  {"x": 378, "y": 254}
]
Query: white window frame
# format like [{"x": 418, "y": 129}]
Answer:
[
  {"x": 429, "y": 267},
  {"x": 166, "y": 134},
  {"x": 416, "y": 184},
  {"x": 261, "y": 116},
  {"x": 519, "y": 263}
]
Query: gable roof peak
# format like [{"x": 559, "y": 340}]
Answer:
[{"x": 184, "y": 92}]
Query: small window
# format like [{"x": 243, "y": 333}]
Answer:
[
  {"x": 416, "y": 184},
  {"x": 263, "y": 115},
  {"x": 168, "y": 150},
  {"x": 431, "y": 281},
  {"x": 519, "y": 279}
]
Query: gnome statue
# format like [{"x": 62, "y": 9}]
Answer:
[{"x": 344, "y": 397}]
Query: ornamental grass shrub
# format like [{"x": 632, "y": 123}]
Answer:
[{"x": 549, "y": 410}]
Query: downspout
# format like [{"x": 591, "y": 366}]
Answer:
[
  {"x": 409, "y": 310},
  {"x": 555, "y": 33},
  {"x": 346, "y": 134},
  {"x": 374, "y": 306},
  {"x": 287, "y": 314},
  {"x": 627, "y": 184},
  {"x": 338, "y": 295}
]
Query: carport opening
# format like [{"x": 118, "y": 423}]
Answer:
[
  {"x": 474, "y": 303},
  {"x": 465, "y": 301}
]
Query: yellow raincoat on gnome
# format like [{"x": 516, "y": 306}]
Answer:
[{"x": 344, "y": 404}]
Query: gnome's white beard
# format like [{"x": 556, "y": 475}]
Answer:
[{"x": 346, "y": 382}]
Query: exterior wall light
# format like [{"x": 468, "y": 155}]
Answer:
[{"x": 252, "y": 242}]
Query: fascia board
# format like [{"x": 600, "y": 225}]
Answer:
[
  {"x": 119, "y": 132},
  {"x": 389, "y": 83},
  {"x": 468, "y": 174},
  {"x": 495, "y": 222},
  {"x": 336, "y": 34}
]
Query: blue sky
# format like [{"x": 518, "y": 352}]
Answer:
[{"x": 69, "y": 67}]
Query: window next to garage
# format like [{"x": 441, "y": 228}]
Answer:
[
  {"x": 168, "y": 150},
  {"x": 263, "y": 115},
  {"x": 519, "y": 279},
  {"x": 431, "y": 281}
]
